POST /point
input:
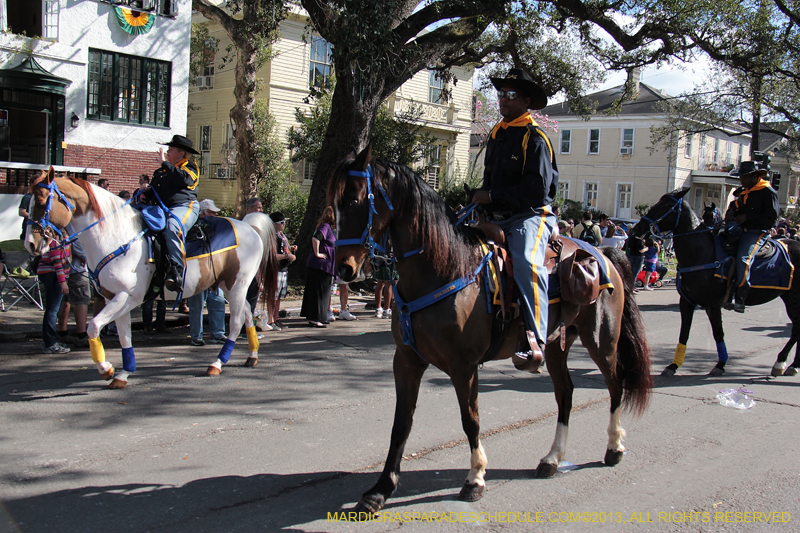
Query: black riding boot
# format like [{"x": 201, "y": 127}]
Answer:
[
  {"x": 174, "y": 279},
  {"x": 741, "y": 295}
]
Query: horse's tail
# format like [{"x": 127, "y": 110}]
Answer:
[
  {"x": 633, "y": 352},
  {"x": 268, "y": 270}
]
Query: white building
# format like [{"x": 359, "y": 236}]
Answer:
[{"x": 81, "y": 89}]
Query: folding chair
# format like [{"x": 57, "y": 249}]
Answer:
[{"x": 15, "y": 288}]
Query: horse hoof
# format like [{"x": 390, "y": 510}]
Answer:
[
  {"x": 612, "y": 457},
  {"x": 108, "y": 374},
  {"x": 368, "y": 506},
  {"x": 117, "y": 384},
  {"x": 668, "y": 372},
  {"x": 778, "y": 370},
  {"x": 471, "y": 492},
  {"x": 716, "y": 371},
  {"x": 213, "y": 371},
  {"x": 791, "y": 371},
  {"x": 251, "y": 362},
  {"x": 546, "y": 470}
]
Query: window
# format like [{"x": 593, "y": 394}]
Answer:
[
  {"x": 687, "y": 147},
  {"x": 715, "y": 159},
  {"x": 627, "y": 141},
  {"x": 741, "y": 153},
  {"x": 309, "y": 169},
  {"x": 321, "y": 63},
  {"x": 563, "y": 190},
  {"x": 50, "y": 11},
  {"x": 129, "y": 89},
  {"x": 433, "y": 162},
  {"x": 729, "y": 154},
  {"x": 594, "y": 141},
  {"x": 435, "y": 87},
  {"x": 205, "y": 149},
  {"x": 590, "y": 195},
  {"x": 33, "y": 18},
  {"x": 566, "y": 140}
]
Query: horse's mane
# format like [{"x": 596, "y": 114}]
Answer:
[{"x": 425, "y": 212}]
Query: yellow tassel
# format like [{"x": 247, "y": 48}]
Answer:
[
  {"x": 98, "y": 352},
  {"x": 680, "y": 353},
  {"x": 252, "y": 339}
]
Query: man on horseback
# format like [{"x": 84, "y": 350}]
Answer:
[
  {"x": 755, "y": 210},
  {"x": 520, "y": 181},
  {"x": 175, "y": 185}
]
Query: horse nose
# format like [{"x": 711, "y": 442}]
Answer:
[{"x": 345, "y": 272}]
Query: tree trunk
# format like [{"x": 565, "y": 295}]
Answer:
[
  {"x": 353, "y": 110},
  {"x": 242, "y": 117}
]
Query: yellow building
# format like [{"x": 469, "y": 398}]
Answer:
[{"x": 301, "y": 59}]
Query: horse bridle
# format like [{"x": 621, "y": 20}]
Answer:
[
  {"x": 44, "y": 222},
  {"x": 677, "y": 207},
  {"x": 366, "y": 237}
]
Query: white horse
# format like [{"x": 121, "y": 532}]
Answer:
[{"x": 125, "y": 277}]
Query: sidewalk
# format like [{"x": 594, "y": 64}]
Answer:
[{"x": 24, "y": 321}]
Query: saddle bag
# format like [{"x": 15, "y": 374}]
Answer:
[{"x": 579, "y": 275}]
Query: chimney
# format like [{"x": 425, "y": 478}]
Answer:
[{"x": 636, "y": 75}]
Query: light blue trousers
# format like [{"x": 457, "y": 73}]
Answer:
[
  {"x": 527, "y": 237},
  {"x": 215, "y": 301},
  {"x": 187, "y": 214}
]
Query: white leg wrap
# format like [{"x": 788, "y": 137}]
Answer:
[
  {"x": 477, "y": 461},
  {"x": 779, "y": 366},
  {"x": 103, "y": 367},
  {"x": 217, "y": 364},
  {"x": 615, "y": 432},
  {"x": 122, "y": 375},
  {"x": 559, "y": 448}
]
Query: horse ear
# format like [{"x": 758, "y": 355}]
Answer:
[
  {"x": 682, "y": 193},
  {"x": 713, "y": 205},
  {"x": 365, "y": 157},
  {"x": 51, "y": 174},
  {"x": 351, "y": 154}
]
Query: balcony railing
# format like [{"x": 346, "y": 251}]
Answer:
[{"x": 217, "y": 171}]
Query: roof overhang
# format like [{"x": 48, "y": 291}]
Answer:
[
  {"x": 714, "y": 178},
  {"x": 30, "y": 76}
]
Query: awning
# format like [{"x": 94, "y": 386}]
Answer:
[
  {"x": 714, "y": 178},
  {"x": 30, "y": 76}
]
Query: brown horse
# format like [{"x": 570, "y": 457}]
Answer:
[
  {"x": 454, "y": 333},
  {"x": 106, "y": 224}
]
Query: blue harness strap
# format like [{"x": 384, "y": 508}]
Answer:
[
  {"x": 405, "y": 309},
  {"x": 366, "y": 239}
]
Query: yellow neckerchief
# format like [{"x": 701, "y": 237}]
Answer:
[
  {"x": 762, "y": 183},
  {"x": 522, "y": 120}
]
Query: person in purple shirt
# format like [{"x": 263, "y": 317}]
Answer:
[{"x": 319, "y": 278}]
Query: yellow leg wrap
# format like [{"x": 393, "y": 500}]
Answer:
[
  {"x": 252, "y": 339},
  {"x": 680, "y": 353},
  {"x": 98, "y": 352}
]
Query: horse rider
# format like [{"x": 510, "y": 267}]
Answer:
[
  {"x": 520, "y": 181},
  {"x": 755, "y": 210},
  {"x": 176, "y": 181}
]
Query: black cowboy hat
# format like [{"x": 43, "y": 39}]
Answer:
[
  {"x": 521, "y": 80},
  {"x": 748, "y": 167},
  {"x": 182, "y": 143}
]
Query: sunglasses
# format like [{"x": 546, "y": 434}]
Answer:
[{"x": 508, "y": 95}]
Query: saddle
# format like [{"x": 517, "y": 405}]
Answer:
[{"x": 577, "y": 269}]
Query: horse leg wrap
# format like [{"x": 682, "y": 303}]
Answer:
[
  {"x": 227, "y": 348},
  {"x": 722, "y": 352},
  {"x": 97, "y": 350},
  {"x": 680, "y": 354},
  {"x": 128, "y": 360},
  {"x": 252, "y": 339}
]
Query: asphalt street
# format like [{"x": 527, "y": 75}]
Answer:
[{"x": 289, "y": 444}]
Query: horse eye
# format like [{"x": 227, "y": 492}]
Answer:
[{"x": 353, "y": 202}]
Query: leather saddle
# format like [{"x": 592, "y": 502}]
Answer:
[{"x": 577, "y": 269}]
